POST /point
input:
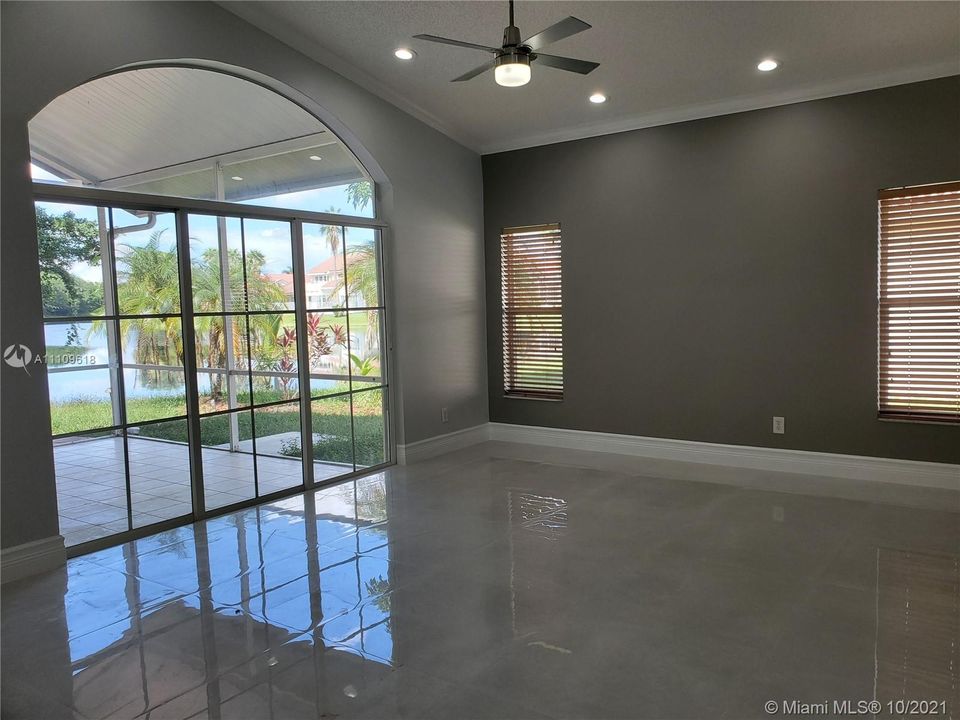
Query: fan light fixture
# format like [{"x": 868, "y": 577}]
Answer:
[
  {"x": 511, "y": 61},
  {"x": 512, "y": 70}
]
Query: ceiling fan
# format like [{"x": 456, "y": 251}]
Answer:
[{"x": 511, "y": 64}]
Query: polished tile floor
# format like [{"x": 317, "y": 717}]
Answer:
[
  {"x": 504, "y": 581},
  {"x": 92, "y": 492}
]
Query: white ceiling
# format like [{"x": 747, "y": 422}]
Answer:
[
  {"x": 131, "y": 122},
  {"x": 660, "y": 61},
  {"x": 161, "y": 130}
]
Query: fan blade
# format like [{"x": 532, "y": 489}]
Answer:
[
  {"x": 565, "y": 28},
  {"x": 569, "y": 64},
  {"x": 457, "y": 43},
  {"x": 476, "y": 71}
]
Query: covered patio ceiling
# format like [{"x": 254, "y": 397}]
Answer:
[{"x": 164, "y": 130}]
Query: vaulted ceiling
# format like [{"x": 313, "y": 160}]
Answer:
[{"x": 660, "y": 61}]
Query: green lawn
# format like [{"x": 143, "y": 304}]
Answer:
[{"x": 331, "y": 419}]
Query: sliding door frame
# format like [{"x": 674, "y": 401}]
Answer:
[{"x": 182, "y": 208}]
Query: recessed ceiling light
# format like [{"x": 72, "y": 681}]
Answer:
[
  {"x": 404, "y": 53},
  {"x": 598, "y": 98},
  {"x": 768, "y": 65},
  {"x": 236, "y": 177},
  {"x": 316, "y": 157}
]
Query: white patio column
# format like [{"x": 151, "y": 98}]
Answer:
[{"x": 110, "y": 308}]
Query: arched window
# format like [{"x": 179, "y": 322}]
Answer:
[{"x": 210, "y": 259}]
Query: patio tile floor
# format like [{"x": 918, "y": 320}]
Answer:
[{"x": 92, "y": 494}]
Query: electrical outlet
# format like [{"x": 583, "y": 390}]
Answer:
[
  {"x": 444, "y": 416},
  {"x": 778, "y": 425}
]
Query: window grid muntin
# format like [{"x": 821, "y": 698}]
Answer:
[{"x": 83, "y": 196}]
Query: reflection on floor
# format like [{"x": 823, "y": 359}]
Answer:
[
  {"x": 92, "y": 493},
  {"x": 504, "y": 582}
]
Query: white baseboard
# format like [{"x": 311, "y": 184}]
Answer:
[
  {"x": 852, "y": 467},
  {"x": 431, "y": 447},
  {"x": 21, "y": 561}
]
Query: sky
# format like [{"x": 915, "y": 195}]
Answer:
[{"x": 271, "y": 238}]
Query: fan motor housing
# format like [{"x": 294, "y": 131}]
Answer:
[
  {"x": 511, "y": 36},
  {"x": 514, "y": 56}
]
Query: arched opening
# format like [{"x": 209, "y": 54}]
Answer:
[{"x": 210, "y": 258}]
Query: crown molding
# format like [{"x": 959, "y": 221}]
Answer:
[
  {"x": 730, "y": 106},
  {"x": 295, "y": 38}
]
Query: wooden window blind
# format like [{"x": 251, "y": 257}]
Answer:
[
  {"x": 919, "y": 303},
  {"x": 532, "y": 312}
]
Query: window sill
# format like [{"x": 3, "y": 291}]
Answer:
[
  {"x": 918, "y": 421},
  {"x": 535, "y": 399}
]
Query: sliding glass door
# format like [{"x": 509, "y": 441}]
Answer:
[{"x": 198, "y": 362}]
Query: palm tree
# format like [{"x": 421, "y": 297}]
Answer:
[
  {"x": 360, "y": 194},
  {"x": 261, "y": 294},
  {"x": 334, "y": 237},
  {"x": 148, "y": 283},
  {"x": 362, "y": 277}
]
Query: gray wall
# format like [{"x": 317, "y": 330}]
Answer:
[
  {"x": 723, "y": 271},
  {"x": 432, "y": 195}
]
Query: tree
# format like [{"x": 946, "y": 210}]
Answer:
[
  {"x": 363, "y": 278},
  {"x": 333, "y": 236},
  {"x": 85, "y": 297},
  {"x": 148, "y": 283},
  {"x": 211, "y": 331},
  {"x": 64, "y": 240},
  {"x": 360, "y": 194}
]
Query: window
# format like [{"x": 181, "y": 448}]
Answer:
[
  {"x": 191, "y": 366},
  {"x": 532, "y": 307},
  {"x": 919, "y": 303}
]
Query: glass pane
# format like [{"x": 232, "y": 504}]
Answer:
[
  {"x": 154, "y": 394},
  {"x": 279, "y": 464},
  {"x": 71, "y": 272},
  {"x": 210, "y": 239},
  {"x": 368, "y": 428},
  {"x": 148, "y": 277},
  {"x": 268, "y": 256},
  {"x": 365, "y": 359},
  {"x": 159, "y": 472},
  {"x": 81, "y": 400},
  {"x": 157, "y": 342},
  {"x": 76, "y": 344},
  {"x": 332, "y": 438},
  {"x": 273, "y": 345},
  {"x": 227, "y": 456},
  {"x": 223, "y": 378},
  {"x": 91, "y": 486},
  {"x": 154, "y": 385},
  {"x": 329, "y": 353},
  {"x": 363, "y": 268},
  {"x": 323, "y": 262},
  {"x": 324, "y": 178},
  {"x": 40, "y": 174}
]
